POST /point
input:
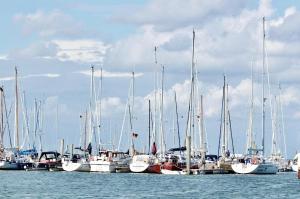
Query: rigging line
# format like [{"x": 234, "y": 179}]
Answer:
[
  {"x": 269, "y": 90},
  {"x": 220, "y": 134},
  {"x": 7, "y": 114},
  {"x": 231, "y": 134},
  {"x": 124, "y": 118},
  {"x": 177, "y": 121},
  {"x": 282, "y": 122}
]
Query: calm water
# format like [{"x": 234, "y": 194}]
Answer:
[{"x": 22, "y": 184}]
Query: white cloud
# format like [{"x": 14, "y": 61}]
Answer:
[
  {"x": 47, "y": 75},
  {"x": 3, "y": 57},
  {"x": 43, "y": 50},
  {"x": 112, "y": 106},
  {"x": 169, "y": 15},
  {"x": 97, "y": 73},
  {"x": 48, "y": 24},
  {"x": 288, "y": 12},
  {"x": 83, "y": 50}
]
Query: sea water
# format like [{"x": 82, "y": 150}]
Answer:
[{"x": 39, "y": 184}]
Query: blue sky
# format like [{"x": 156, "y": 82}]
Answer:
[{"x": 54, "y": 43}]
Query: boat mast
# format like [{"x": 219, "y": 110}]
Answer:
[
  {"x": 282, "y": 122},
  {"x": 100, "y": 109},
  {"x": 226, "y": 114},
  {"x": 177, "y": 121},
  {"x": 202, "y": 134},
  {"x": 149, "y": 127},
  {"x": 91, "y": 107},
  {"x": 17, "y": 144},
  {"x": 162, "y": 140},
  {"x": 224, "y": 120},
  {"x": 192, "y": 113},
  {"x": 263, "y": 91},
  {"x": 1, "y": 118},
  {"x": 155, "y": 98},
  {"x": 250, "y": 143},
  {"x": 275, "y": 130},
  {"x": 130, "y": 111}
]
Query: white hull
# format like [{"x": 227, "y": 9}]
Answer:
[
  {"x": 76, "y": 166},
  {"x": 294, "y": 164},
  {"x": 170, "y": 172},
  {"x": 102, "y": 166},
  {"x": 295, "y": 167},
  {"x": 138, "y": 167},
  {"x": 4, "y": 165},
  {"x": 263, "y": 168}
]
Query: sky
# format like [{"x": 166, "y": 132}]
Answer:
[{"x": 54, "y": 43}]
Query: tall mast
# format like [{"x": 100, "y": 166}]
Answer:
[
  {"x": 155, "y": 97},
  {"x": 202, "y": 134},
  {"x": 91, "y": 107},
  {"x": 250, "y": 143},
  {"x": 1, "y": 118},
  {"x": 192, "y": 119},
  {"x": 275, "y": 130},
  {"x": 177, "y": 121},
  {"x": 17, "y": 144},
  {"x": 226, "y": 114},
  {"x": 263, "y": 91},
  {"x": 100, "y": 109},
  {"x": 149, "y": 127},
  {"x": 162, "y": 140},
  {"x": 223, "y": 150},
  {"x": 282, "y": 122}
]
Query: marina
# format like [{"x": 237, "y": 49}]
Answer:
[{"x": 150, "y": 99}]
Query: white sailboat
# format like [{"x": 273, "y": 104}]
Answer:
[
  {"x": 105, "y": 160},
  {"x": 9, "y": 159},
  {"x": 295, "y": 162},
  {"x": 253, "y": 162},
  {"x": 151, "y": 162},
  {"x": 77, "y": 161}
]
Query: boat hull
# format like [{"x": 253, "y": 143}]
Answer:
[
  {"x": 102, "y": 166},
  {"x": 139, "y": 167},
  {"x": 264, "y": 168},
  {"x": 76, "y": 166},
  {"x": 172, "y": 172},
  {"x": 4, "y": 165}
]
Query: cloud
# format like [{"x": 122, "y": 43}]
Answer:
[
  {"x": 174, "y": 14},
  {"x": 38, "y": 50},
  {"x": 47, "y": 75},
  {"x": 285, "y": 28},
  {"x": 3, "y": 57},
  {"x": 84, "y": 50},
  {"x": 48, "y": 24},
  {"x": 108, "y": 74},
  {"x": 112, "y": 107}
]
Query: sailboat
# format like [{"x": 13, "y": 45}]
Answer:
[
  {"x": 15, "y": 157},
  {"x": 105, "y": 160},
  {"x": 278, "y": 137},
  {"x": 146, "y": 163},
  {"x": 224, "y": 162},
  {"x": 151, "y": 162},
  {"x": 177, "y": 164},
  {"x": 253, "y": 162},
  {"x": 76, "y": 159}
]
